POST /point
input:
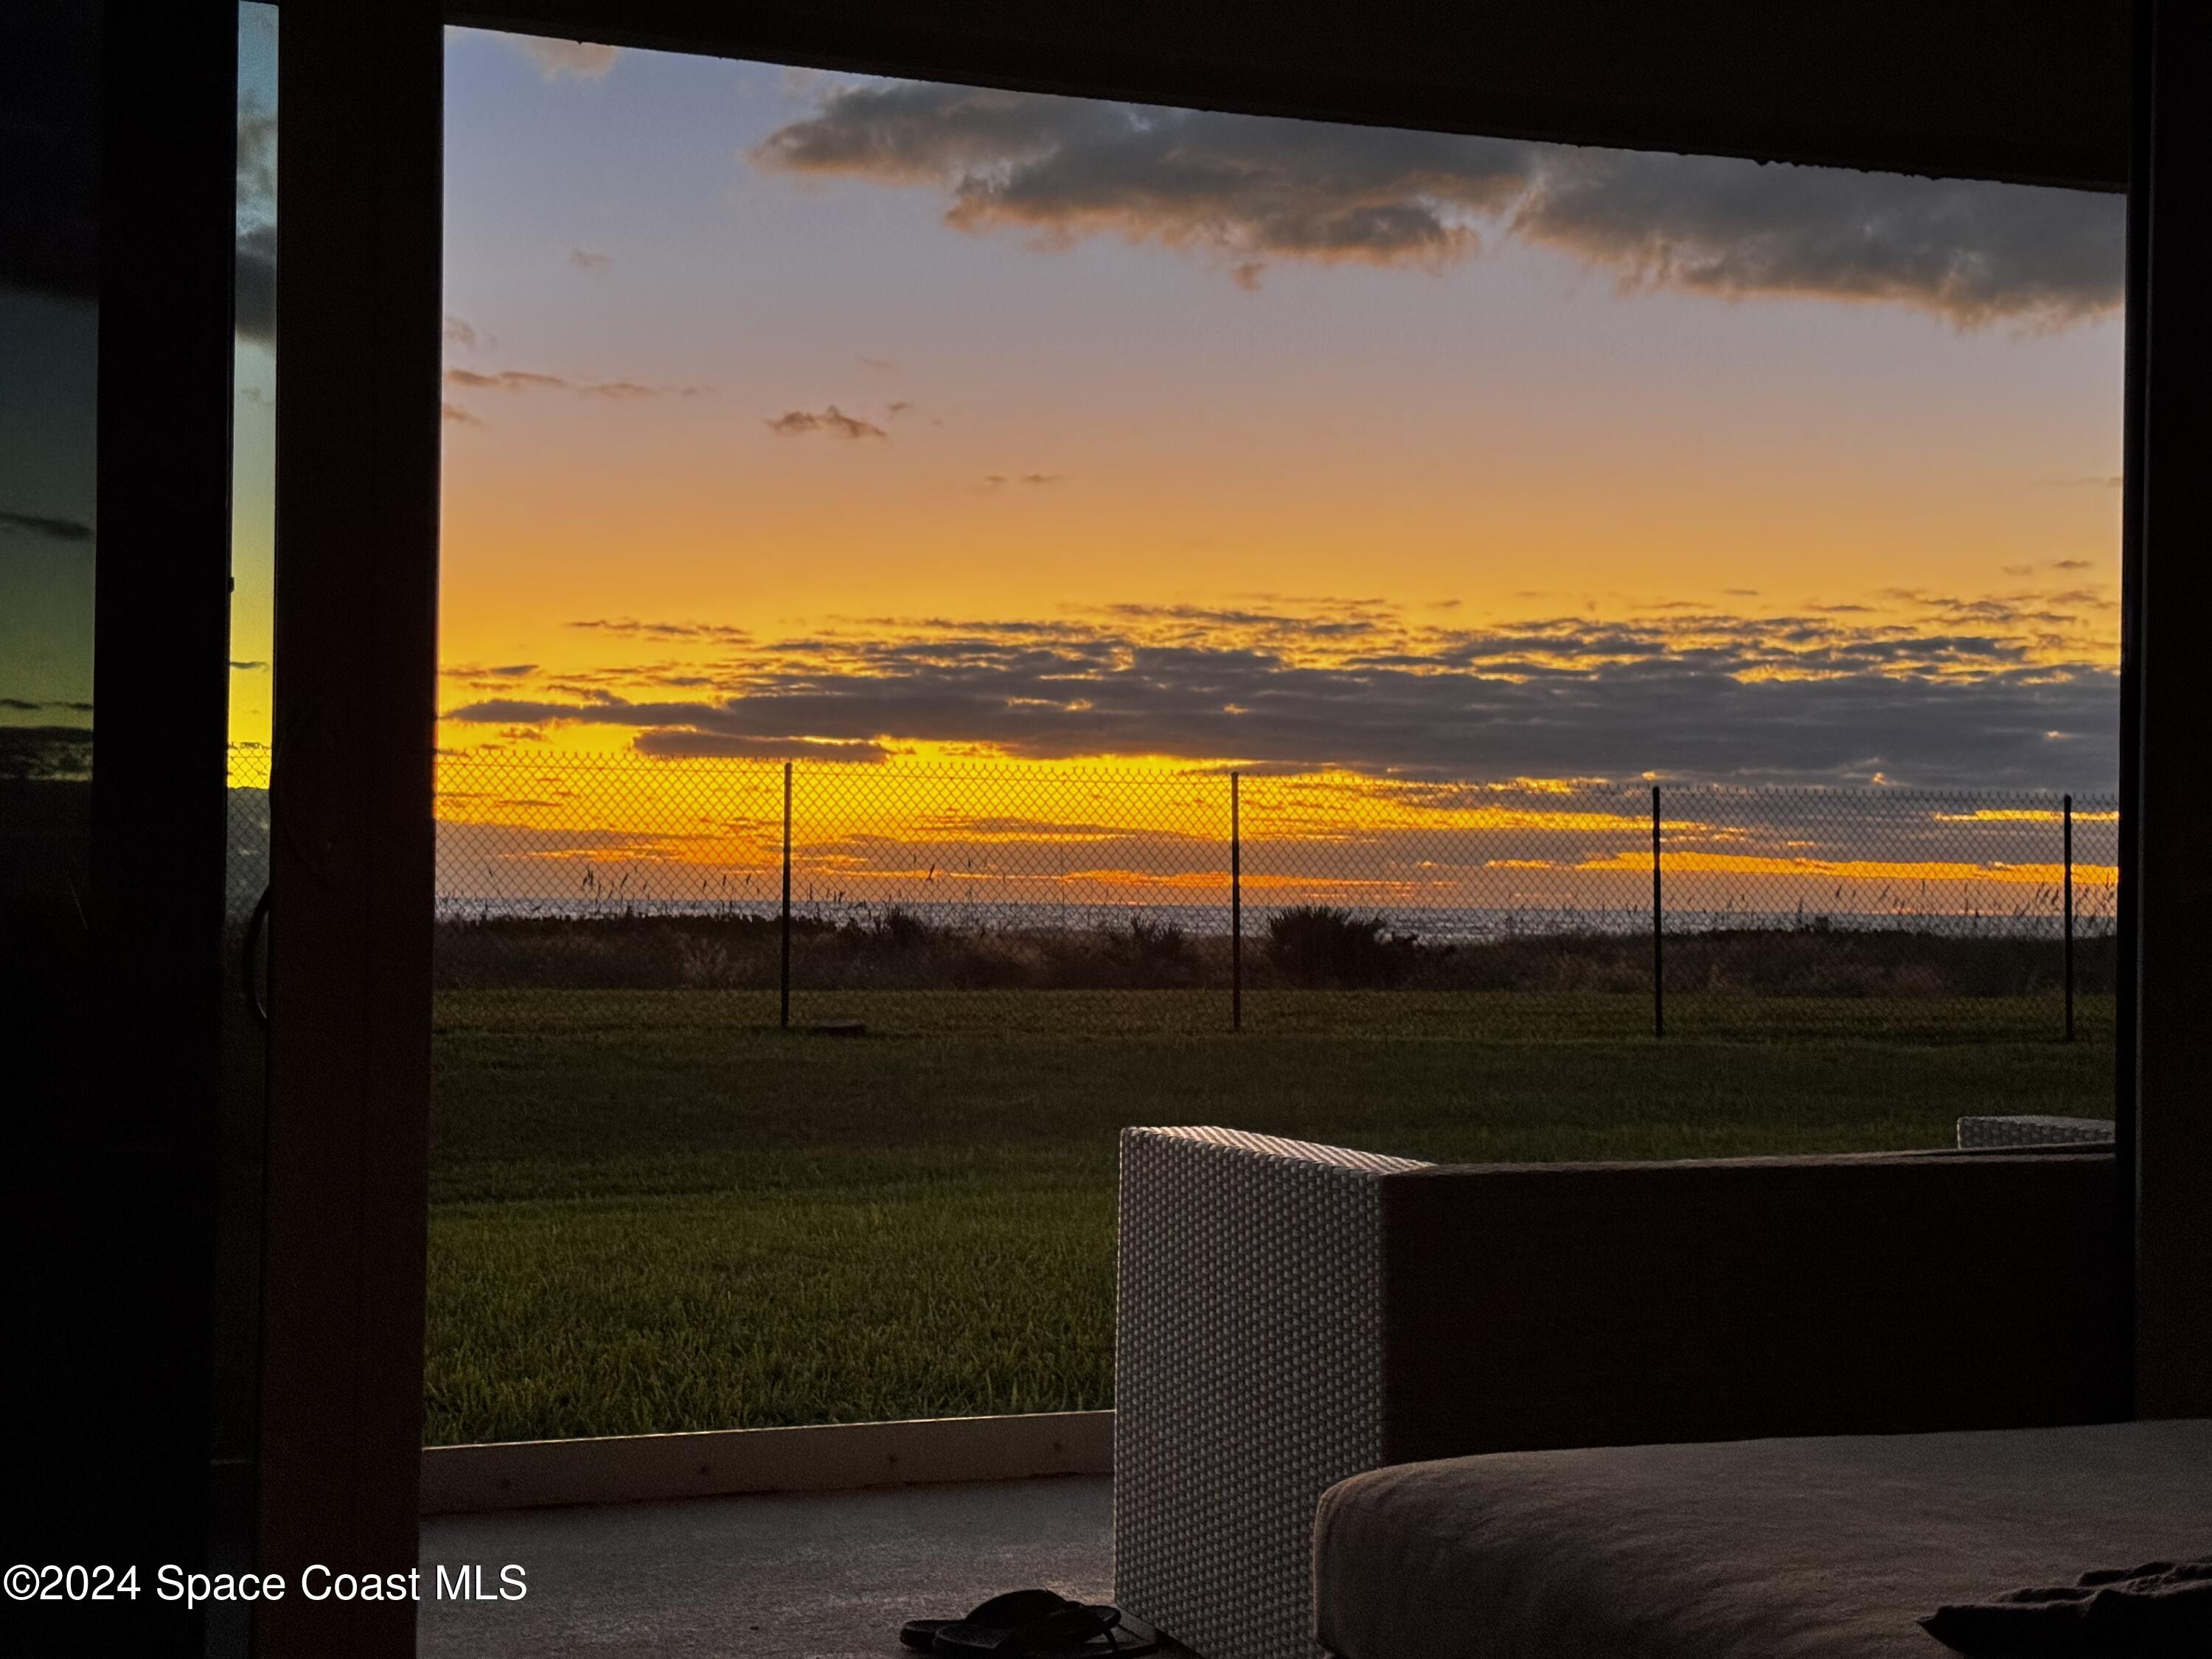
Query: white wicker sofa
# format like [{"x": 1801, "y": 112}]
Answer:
[{"x": 1292, "y": 1316}]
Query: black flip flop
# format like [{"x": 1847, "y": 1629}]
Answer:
[
  {"x": 999, "y": 1613},
  {"x": 1074, "y": 1631}
]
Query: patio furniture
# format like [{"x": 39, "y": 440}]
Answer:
[
  {"x": 1292, "y": 1314},
  {"x": 1830, "y": 1548}
]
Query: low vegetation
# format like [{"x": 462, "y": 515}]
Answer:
[
  {"x": 654, "y": 1211},
  {"x": 1302, "y": 947}
]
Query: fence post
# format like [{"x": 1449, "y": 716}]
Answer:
[
  {"x": 1658, "y": 930},
  {"x": 1235, "y": 907},
  {"x": 2066, "y": 808},
  {"x": 783, "y": 975}
]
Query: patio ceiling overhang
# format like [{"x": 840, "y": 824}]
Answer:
[{"x": 2032, "y": 92}]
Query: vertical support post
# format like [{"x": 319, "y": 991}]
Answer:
[
  {"x": 1235, "y": 907},
  {"x": 783, "y": 970},
  {"x": 2163, "y": 1135},
  {"x": 116, "y": 950},
  {"x": 1658, "y": 930},
  {"x": 2066, "y": 811},
  {"x": 346, "y": 1174}
]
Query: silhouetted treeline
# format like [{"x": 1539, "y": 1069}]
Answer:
[{"x": 1314, "y": 947}]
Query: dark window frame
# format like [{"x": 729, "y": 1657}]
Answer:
[{"x": 357, "y": 493}]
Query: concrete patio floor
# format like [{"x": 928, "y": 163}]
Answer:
[{"x": 823, "y": 1575}]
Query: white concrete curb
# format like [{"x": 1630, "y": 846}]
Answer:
[{"x": 830, "y": 1457}]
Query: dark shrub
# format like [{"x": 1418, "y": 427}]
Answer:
[
  {"x": 1149, "y": 956},
  {"x": 902, "y": 930},
  {"x": 621, "y": 953},
  {"x": 1317, "y": 944}
]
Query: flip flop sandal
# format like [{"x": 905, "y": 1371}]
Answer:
[
  {"x": 1074, "y": 1631},
  {"x": 999, "y": 1613}
]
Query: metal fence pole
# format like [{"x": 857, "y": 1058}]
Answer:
[
  {"x": 2066, "y": 808},
  {"x": 783, "y": 976},
  {"x": 1658, "y": 930},
  {"x": 1235, "y": 907}
]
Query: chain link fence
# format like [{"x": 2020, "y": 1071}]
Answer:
[
  {"x": 839, "y": 896},
  {"x": 1691, "y": 909}
]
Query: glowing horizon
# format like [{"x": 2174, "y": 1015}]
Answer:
[
  {"x": 849, "y": 419},
  {"x": 895, "y": 428}
]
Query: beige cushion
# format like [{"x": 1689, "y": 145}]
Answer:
[{"x": 1827, "y": 1548}]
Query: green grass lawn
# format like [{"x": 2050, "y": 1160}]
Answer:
[{"x": 652, "y": 1211}]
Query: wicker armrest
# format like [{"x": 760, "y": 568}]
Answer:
[{"x": 1247, "y": 1373}]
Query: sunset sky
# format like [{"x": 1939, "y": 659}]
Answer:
[{"x": 799, "y": 414}]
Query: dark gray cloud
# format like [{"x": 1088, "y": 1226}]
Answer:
[
  {"x": 1245, "y": 190},
  {"x": 798, "y": 422},
  {"x": 1710, "y": 695},
  {"x": 635, "y": 629},
  {"x": 1322, "y": 619},
  {"x": 1973, "y": 253},
  {"x": 682, "y": 744},
  {"x": 39, "y": 523},
  {"x": 255, "y": 266},
  {"x": 254, "y": 277},
  {"x": 507, "y": 379},
  {"x": 520, "y": 380},
  {"x": 523, "y": 379}
]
